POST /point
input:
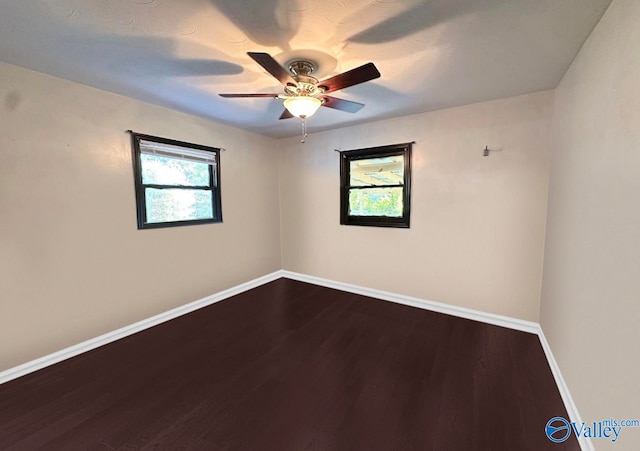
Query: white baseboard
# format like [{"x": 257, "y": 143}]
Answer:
[
  {"x": 72, "y": 351},
  {"x": 585, "y": 443},
  {"x": 462, "y": 312}
]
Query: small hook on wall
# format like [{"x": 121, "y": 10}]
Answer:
[{"x": 486, "y": 151}]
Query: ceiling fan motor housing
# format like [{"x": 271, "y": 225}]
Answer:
[
  {"x": 306, "y": 85},
  {"x": 301, "y": 67}
]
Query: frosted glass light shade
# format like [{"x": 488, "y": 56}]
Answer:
[{"x": 302, "y": 106}]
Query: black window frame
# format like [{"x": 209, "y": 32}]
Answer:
[
  {"x": 346, "y": 157},
  {"x": 214, "y": 183}
]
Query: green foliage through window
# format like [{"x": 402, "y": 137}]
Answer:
[
  {"x": 376, "y": 202},
  {"x": 165, "y": 205},
  {"x": 169, "y": 171}
]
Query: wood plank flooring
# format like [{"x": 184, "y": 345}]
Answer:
[{"x": 293, "y": 366}]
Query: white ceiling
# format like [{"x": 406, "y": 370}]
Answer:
[{"x": 181, "y": 54}]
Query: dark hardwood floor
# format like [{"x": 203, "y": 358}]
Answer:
[{"x": 293, "y": 366}]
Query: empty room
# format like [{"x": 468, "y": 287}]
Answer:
[{"x": 342, "y": 225}]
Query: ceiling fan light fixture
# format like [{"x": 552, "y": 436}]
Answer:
[{"x": 302, "y": 106}]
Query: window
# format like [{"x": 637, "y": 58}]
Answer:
[
  {"x": 375, "y": 186},
  {"x": 177, "y": 183}
]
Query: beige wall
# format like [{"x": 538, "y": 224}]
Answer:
[
  {"x": 591, "y": 288},
  {"x": 477, "y": 224},
  {"x": 72, "y": 263}
]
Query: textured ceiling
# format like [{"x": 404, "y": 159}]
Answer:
[{"x": 432, "y": 54}]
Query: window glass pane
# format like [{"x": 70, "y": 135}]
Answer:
[
  {"x": 377, "y": 171},
  {"x": 376, "y": 202},
  {"x": 169, "y": 171},
  {"x": 164, "y": 205}
]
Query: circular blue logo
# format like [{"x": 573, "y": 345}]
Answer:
[{"x": 558, "y": 429}]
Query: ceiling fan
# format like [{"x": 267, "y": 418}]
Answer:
[{"x": 304, "y": 94}]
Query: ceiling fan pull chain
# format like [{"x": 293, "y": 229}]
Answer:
[{"x": 304, "y": 129}]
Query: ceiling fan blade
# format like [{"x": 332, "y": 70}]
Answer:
[
  {"x": 286, "y": 114},
  {"x": 274, "y": 96},
  {"x": 352, "y": 77},
  {"x": 341, "y": 104},
  {"x": 272, "y": 66}
]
